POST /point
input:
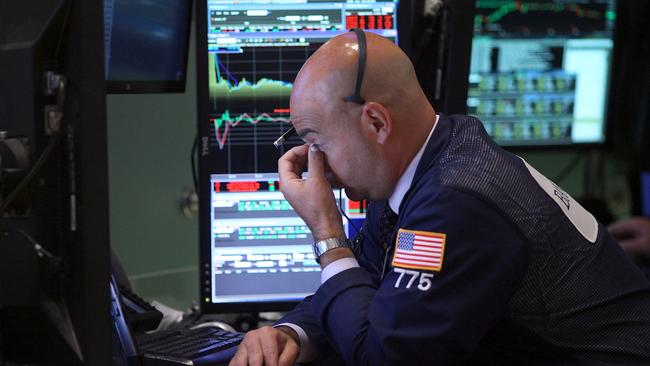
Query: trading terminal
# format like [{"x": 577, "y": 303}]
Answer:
[{"x": 142, "y": 220}]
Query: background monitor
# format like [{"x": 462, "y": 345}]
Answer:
[
  {"x": 255, "y": 251},
  {"x": 539, "y": 71},
  {"x": 146, "y": 45}
]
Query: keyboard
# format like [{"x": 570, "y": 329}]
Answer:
[{"x": 198, "y": 346}]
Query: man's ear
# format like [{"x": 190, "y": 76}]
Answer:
[{"x": 377, "y": 120}]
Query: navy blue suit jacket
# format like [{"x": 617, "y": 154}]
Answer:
[{"x": 520, "y": 280}]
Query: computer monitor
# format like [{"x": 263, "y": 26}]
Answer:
[
  {"x": 260, "y": 249},
  {"x": 146, "y": 45},
  {"x": 255, "y": 251},
  {"x": 540, "y": 70},
  {"x": 54, "y": 299}
]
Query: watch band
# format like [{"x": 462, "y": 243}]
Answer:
[{"x": 322, "y": 246}]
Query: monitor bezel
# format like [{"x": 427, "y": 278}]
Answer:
[
  {"x": 405, "y": 11},
  {"x": 457, "y": 79},
  {"x": 69, "y": 214},
  {"x": 158, "y": 86}
]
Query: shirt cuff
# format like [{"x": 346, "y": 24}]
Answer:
[
  {"x": 336, "y": 267},
  {"x": 308, "y": 351}
]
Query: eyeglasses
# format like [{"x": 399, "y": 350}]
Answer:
[{"x": 355, "y": 97}]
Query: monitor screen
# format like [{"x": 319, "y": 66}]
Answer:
[
  {"x": 539, "y": 71},
  {"x": 146, "y": 45},
  {"x": 255, "y": 251},
  {"x": 260, "y": 248}
]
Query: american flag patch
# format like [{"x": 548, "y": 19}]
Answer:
[{"x": 419, "y": 250}]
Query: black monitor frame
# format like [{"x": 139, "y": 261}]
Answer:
[
  {"x": 85, "y": 250},
  {"x": 456, "y": 75},
  {"x": 406, "y": 11},
  {"x": 157, "y": 86}
]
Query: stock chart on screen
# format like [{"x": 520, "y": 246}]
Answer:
[
  {"x": 540, "y": 70},
  {"x": 256, "y": 247},
  {"x": 255, "y": 51}
]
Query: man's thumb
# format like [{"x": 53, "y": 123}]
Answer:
[{"x": 316, "y": 164}]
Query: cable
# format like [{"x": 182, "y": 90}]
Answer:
[
  {"x": 568, "y": 168},
  {"x": 35, "y": 169},
  {"x": 40, "y": 251},
  {"x": 342, "y": 212},
  {"x": 193, "y": 163}
]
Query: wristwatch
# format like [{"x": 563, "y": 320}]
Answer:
[{"x": 322, "y": 246}]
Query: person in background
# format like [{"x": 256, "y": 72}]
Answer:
[{"x": 633, "y": 235}]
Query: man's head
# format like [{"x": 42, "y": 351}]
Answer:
[{"x": 368, "y": 146}]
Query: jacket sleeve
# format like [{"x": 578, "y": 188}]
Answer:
[
  {"x": 303, "y": 316},
  {"x": 424, "y": 316}
]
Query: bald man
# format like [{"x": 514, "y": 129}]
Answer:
[{"x": 467, "y": 254}]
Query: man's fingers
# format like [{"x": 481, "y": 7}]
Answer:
[
  {"x": 316, "y": 163},
  {"x": 255, "y": 356},
  {"x": 292, "y": 163},
  {"x": 263, "y": 347},
  {"x": 270, "y": 348},
  {"x": 240, "y": 358},
  {"x": 289, "y": 354}
]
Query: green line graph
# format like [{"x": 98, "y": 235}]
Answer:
[
  {"x": 220, "y": 87},
  {"x": 504, "y": 8},
  {"x": 226, "y": 122}
]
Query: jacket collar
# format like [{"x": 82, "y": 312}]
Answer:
[
  {"x": 404, "y": 182},
  {"x": 436, "y": 145}
]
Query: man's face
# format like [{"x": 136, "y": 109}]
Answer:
[{"x": 347, "y": 154}]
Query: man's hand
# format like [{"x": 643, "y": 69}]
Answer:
[
  {"x": 268, "y": 346},
  {"x": 312, "y": 199},
  {"x": 633, "y": 235}
]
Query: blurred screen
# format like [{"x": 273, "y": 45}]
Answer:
[
  {"x": 539, "y": 71},
  {"x": 145, "y": 40}
]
